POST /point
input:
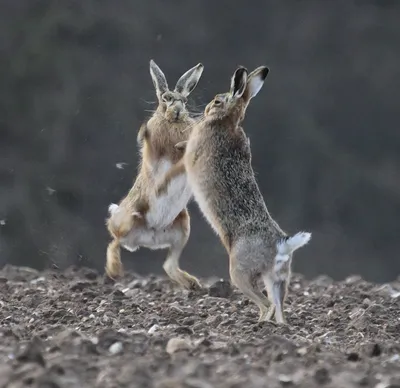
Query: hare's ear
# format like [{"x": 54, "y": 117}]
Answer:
[
  {"x": 255, "y": 82},
  {"x": 238, "y": 82},
  {"x": 189, "y": 80},
  {"x": 159, "y": 80},
  {"x": 181, "y": 145}
]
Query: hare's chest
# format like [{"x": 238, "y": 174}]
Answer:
[
  {"x": 165, "y": 208},
  {"x": 160, "y": 169},
  {"x": 194, "y": 153}
]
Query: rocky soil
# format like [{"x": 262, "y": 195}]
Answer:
[{"x": 75, "y": 328}]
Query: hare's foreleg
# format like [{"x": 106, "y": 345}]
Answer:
[
  {"x": 178, "y": 235},
  {"x": 174, "y": 171},
  {"x": 246, "y": 281}
]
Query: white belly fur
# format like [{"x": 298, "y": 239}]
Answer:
[
  {"x": 151, "y": 238},
  {"x": 165, "y": 208}
]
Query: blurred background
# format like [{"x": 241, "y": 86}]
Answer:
[{"x": 75, "y": 87}]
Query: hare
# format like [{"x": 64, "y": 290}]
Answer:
[
  {"x": 147, "y": 219},
  {"x": 217, "y": 163}
]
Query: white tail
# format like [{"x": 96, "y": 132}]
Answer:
[
  {"x": 288, "y": 246},
  {"x": 112, "y": 208}
]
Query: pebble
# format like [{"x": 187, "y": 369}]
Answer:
[
  {"x": 221, "y": 289},
  {"x": 154, "y": 329},
  {"x": 116, "y": 348},
  {"x": 176, "y": 344}
]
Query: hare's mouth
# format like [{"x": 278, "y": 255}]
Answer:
[
  {"x": 214, "y": 110},
  {"x": 174, "y": 116}
]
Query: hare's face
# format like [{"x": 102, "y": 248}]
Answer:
[
  {"x": 224, "y": 105},
  {"x": 244, "y": 87},
  {"x": 173, "y": 105},
  {"x": 217, "y": 106}
]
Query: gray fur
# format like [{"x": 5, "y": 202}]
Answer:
[
  {"x": 188, "y": 81},
  {"x": 218, "y": 164}
]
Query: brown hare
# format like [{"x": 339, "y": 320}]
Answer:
[
  {"x": 217, "y": 163},
  {"x": 147, "y": 219}
]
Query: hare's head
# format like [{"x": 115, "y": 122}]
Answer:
[
  {"x": 244, "y": 87},
  {"x": 172, "y": 104}
]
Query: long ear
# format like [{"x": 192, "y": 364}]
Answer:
[
  {"x": 189, "y": 80},
  {"x": 238, "y": 82},
  {"x": 159, "y": 80},
  {"x": 255, "y": 81}
]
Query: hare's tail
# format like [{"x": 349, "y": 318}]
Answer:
[
  {"x": 120, "y": 221},
  {"x": 288, "y": 245},
  {"x": 114, "y": 266}
]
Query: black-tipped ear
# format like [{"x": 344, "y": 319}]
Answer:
[
  {"x": 255, "y": 82},
  {"x": 159, "y": 80},
  {"x": 189, "y": 80},
  {"x": 238, "y": 82}
]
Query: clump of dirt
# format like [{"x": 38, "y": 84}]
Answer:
[{"x": 77, "y": 329}]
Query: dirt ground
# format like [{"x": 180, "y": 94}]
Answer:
[{"x": 75, "y": 328}]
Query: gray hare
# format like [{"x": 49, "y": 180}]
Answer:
[
  {"x": 145, "y": 218},
  {"x": 217, "y": 163}
]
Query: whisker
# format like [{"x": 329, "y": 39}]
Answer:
[
  {"x": 148, "y": 102},
  {"x": 197, "y": 108},
  {"x": 198, "y": 122}
]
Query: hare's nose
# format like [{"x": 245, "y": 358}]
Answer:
[{"x": 177, "y": 112}]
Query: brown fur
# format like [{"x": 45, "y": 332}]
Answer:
[{"x": 169, "y": 125}]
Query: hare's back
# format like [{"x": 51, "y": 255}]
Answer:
[{"x": 224, "y": 185}]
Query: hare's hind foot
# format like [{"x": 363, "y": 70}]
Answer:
[
  {"x": 171, "y": 267},
  {"x": 188, "y": 281},
  {"x": 182, "y": 278},
  {"x": 178, "y": 235},
  {"x": 246, "y": 281},
  {"x": 277, "y": 292},
  {"x": 266, "y": 314},
  {"x": 114, "y": 267},
  {"x": 114, "y": 271}
]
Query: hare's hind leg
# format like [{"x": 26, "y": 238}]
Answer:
[
  {"x": 114, "y": 267},
  {"x": 119, "y": 224},
  {"x": 180, "y": 231},
  {"x": 246, "y": 281},
  {"x": 277, "y": 291}
]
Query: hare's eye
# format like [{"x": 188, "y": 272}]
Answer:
[
  {"x": 217, "y": 102},
  {"x": 166, "y": 98}
]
